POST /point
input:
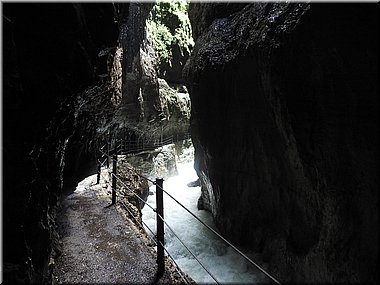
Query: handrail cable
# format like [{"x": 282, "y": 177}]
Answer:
[
  {"x": 151, "y": 231},
  {"x": 125, "y": 206},
  {"x": 144, "y": 144},
  {"x": 212, "y": 276},
  {"x": 177, "y": 266},
  {"x": 137, "y": 221},
  {"x": 132, "y": 192},
  {"x": 222, "y": 238},
  {"x": 150, "y": 180},
  {"x": 211, "y": 229},
  {"x": 102, "y": 162},
  {"x": 104, "y": 178},
  {"x": 133, "y": 169}
]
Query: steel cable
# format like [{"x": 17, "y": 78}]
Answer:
[
  {"x": 212, "y": 276},
  {"x": 125, "y": 206},
  {"x": 140, "y": 224},
  {"x": 221, "y": 237},
  {"x": 148, "y": 228},
  {"x": 132, "y": 192},
  {"x": 179, "y": 272},
  {"x": 199, "y": 220},
  {"x": 151, "y": 231}
]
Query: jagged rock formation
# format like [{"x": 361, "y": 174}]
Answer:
[
  {"x": 61, "y": 98},
  {"x": 285, "y": 126},
  {"x": 63, "y": 95},
  {"x": 144, "y": 101},
  {"x": 50, "y": 54},
  {"x": 132, "y": 25},
  {"x": 130, "y": 183}
]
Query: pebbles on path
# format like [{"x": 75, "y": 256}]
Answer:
[{"x": 100, "y": 244}]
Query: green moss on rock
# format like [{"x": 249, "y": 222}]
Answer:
[{"x": 168, "y": 25}]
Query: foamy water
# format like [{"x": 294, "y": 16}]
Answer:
[{"x": 221, "y": 260}]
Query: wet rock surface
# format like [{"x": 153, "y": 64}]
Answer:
[
  {"x": 285, "y": 128},
  {"x": 100, "y": 243},
  {"x": 62, "y": 97},
  {"x": 50, "y": 54},
  {"x": 130, "y": 179}
]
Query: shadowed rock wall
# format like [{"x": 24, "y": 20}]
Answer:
[
  {"x": 50, "y": 53},
  {"x": 59, "y": 104},
  {"x": 285, "y": 128}
]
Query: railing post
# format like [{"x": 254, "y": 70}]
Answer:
[
  {"x": 99, "y": 168},
  {"x": 114, "y": 165},
  {"x": 160, "y": 227},
  {"x": 108, "y": 150}
]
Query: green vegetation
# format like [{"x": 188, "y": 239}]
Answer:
[{"x": 168, "y": 24}]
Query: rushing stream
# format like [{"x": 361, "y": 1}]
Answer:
[{"x": 221, "y": 260}]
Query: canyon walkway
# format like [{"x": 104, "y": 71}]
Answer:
[{"x": 100, "y": 244}]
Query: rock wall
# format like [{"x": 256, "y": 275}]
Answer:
[
  {"x": 132, "y": 19},
  {"x": 143, "y": 107},
  {"x": 285, "y": 128},
  {"x": 50, "y": 55},
  {"x": 61, "y": 98}
]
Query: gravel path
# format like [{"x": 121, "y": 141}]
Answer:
[{"x": 100, "y": 244}]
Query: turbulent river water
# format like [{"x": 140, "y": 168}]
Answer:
[{"x": 221, "y": 260}]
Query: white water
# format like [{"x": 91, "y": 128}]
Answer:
[{"x": 221, "y": 260}]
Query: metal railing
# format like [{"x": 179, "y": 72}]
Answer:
[
  {"x": 160, "y": 214},
  {"x": 125, "y": 146}
]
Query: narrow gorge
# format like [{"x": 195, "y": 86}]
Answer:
[{"x": 280, "y": 100}]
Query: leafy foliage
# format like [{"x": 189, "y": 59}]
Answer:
[{"x": 168, "y": 24}]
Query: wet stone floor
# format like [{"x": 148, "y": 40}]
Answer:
[{"x": 100, "y": 244}]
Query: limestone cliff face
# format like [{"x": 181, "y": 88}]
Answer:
[{"x": 285, "y": 128}]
